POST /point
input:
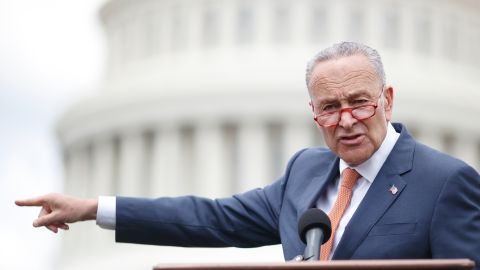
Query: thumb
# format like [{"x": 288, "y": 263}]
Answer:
[{"x": 45, "y": 220}]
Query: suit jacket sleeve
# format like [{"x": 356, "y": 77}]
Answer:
[
  {"x": 456, "y": 218},
  {"x": 244, "y": 220}
]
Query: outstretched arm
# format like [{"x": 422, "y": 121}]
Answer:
[{"x": 58, "y": 210}]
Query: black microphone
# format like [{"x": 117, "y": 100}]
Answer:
[{"x": 314, "y": 228}]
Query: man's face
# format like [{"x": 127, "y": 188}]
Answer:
[{"x": 350, "y": 82}]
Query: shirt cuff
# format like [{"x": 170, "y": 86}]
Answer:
[{"x": 106, "y": 212}]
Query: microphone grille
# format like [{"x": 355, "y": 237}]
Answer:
[{"x": 314, "y": 218}]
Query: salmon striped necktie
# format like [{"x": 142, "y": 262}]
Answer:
[{"x": 349, "y": 178}]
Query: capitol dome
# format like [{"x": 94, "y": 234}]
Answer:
[{"x": 208, "y": 97}]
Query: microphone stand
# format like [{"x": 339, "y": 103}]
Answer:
[
  {"x": 314, "y": 237},
  {"x": 312, "y": 250}
]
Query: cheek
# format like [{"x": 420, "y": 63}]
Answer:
[
  {"x": 377, "y": 133},
  {"x": 329, "y": 137}
]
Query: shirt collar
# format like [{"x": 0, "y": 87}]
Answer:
[{"x": 370, "y": 168}]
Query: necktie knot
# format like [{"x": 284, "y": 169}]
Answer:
[{"x": 349, "y": 178}]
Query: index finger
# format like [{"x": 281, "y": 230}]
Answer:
[{"x": 37, "y": 201}]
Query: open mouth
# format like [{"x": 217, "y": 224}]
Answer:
[{"x": 352, "y": 140}]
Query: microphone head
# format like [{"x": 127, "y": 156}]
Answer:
[{"x": 314, "y": 218}]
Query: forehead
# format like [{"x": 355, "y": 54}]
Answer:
[{"x": 343, "y": 76}]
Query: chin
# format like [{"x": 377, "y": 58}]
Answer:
[
  {"x": 357, "y": 159},
  {"x": 352, "y": 163}
]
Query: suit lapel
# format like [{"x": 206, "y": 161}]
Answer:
[
  {"x": 317, "y": 185},
  {"x": 376, "y": 202},
  {"x": 378, "y": 198}
]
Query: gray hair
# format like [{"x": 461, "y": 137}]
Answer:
[{"x": 344, "y": 49}]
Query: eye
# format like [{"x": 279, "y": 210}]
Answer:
[
  {"x": 330, "y": 107},
  {"x": 360, "y": 101}
]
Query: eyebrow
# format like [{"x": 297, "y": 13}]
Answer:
[{"x": 349, "y": 96}]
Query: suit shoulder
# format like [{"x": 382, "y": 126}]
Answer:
[
  {"x": 315, "y": 153},
  {"x": 437, "y": 160},
  {"x": 311, "y": 159}
]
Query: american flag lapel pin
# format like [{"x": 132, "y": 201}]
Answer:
[{"x": 393, "y": 189}]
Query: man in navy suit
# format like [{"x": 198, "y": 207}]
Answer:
[{"x": 408, "y": 202}]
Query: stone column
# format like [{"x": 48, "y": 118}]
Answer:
[
  {"x": 79, "y": 177},
  {"x": 437, "y": 17},
  {"x": 254, "y": 166},
  {"x": 166, "y": 163},
  {"x": 102, "y": 174},
  {"x": 210, "y": 176},
  {"x": 297, "y": 135},
  {"x": 373, "y": 23},
  {"x": 131, "y": 180},
  {"x": 67, "y": 169}
]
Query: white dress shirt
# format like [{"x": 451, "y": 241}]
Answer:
[
  {"x": 106, "y": 212},
  {"x": 368, "y": 170}
]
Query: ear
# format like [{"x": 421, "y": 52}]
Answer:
[
  {"x": 388, "y": 105},
  {"x": 313, "y": 112},
  {"x": 311, "y": 106}
]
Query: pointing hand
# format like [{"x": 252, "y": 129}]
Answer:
[{"x": 58, "y": 210}]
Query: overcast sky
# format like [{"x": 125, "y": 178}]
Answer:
[{"x": 51, "y": 55}]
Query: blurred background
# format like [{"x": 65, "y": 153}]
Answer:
[{"x": 207, "y": 97}]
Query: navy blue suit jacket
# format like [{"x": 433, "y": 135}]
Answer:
[{"x": 434, "y": 214}]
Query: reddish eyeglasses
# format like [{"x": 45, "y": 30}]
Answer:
[{"x": 330, "y": 119}]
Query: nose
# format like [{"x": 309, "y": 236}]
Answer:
[{"x": 347, "y": 120}]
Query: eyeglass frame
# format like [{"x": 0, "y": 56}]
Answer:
[{"x": 348, "y": 109}]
